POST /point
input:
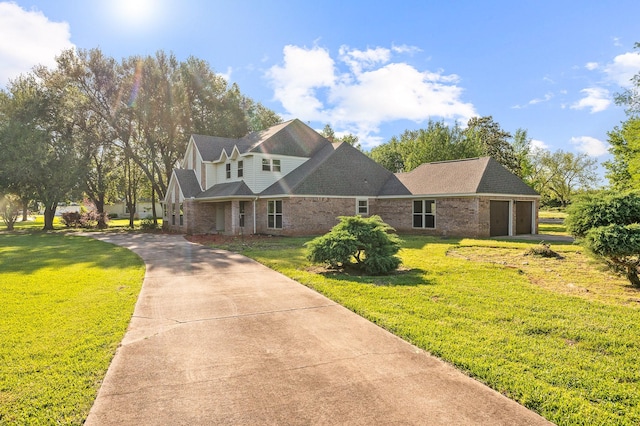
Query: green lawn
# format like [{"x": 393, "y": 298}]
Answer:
[
  {"x": 560, "y": 336},
  {"x": 37, "y": 223},
  {"x": 66, "y": 303}
]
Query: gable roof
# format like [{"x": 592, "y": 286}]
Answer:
[
  {"x": 188, "y": 182},
  {"x": 336, "y": 170},
  {"x": 291, "y": 138},
  {"x": 470, "y": 176}
]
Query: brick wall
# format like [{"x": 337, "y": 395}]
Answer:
[
  {"x": 455, "y": 216},
  {"x": 306, "y": 215}
]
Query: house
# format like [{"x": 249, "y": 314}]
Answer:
[
  {"x": 144, "y": 209},
  {"x": 289, "y": 180}
]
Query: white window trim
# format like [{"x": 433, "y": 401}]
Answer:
[
  {"x": 358, "y": 212},
  {"x": 275, "y": 214},
  {"x": 424, "y": 213}
]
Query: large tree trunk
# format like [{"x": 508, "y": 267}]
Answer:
[
  {"x": 153, "y": 207},
  {"x": 49, "y": 215}
]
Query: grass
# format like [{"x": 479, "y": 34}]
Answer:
[
  {"x": 66, "y": 303},
  {"x": 560, "y": 336},
  {"x": 37, "y": 223}
]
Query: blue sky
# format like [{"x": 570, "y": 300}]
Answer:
[{"x": 372, "y": 68}]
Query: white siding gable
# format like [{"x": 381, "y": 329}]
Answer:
[{"x": 261, "y": 180}]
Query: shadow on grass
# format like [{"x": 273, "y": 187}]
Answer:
[
  {"x": 401, "y": 277},
  {"x": 28, "y": 252}
]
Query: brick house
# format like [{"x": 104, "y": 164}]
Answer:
[{"x": 289, "y": 180}]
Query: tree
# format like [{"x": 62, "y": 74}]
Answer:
[
  {"x": 149, "y": 106},
  {"x": 39, "y": 141},
  {"x": 9, "y": 210},
  {"x": 608, "y": 225},
  {"x": 441, "y": 142},
  {"x": 349, "y": 138},
  {"x": 559, "y": 175},
  {"x": 625, "y": 149},
  {"x": 492, "y": 141},
  {"x": 366, "y": 241},
  {"x": 522, "y": 152}
]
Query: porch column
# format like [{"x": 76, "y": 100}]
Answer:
[{"x": 235, "y": 217}]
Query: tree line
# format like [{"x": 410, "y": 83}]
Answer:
[
  {"x": 555, "y": 175},
  {"x": 112, "y": 129}
]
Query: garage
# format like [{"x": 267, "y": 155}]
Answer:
[
  {"x": 499, "y": 218},
  {"x": 524, "y": 217}
]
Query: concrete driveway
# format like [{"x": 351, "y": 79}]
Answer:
[{"x": 217, "y": 338}]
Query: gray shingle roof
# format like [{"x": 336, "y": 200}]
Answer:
[
  {"x": 336, "y": 170},
  {"x": 471, "y": 176},
  {"x": 188, "y": 182},
  {"x": 211, "y": 147},
  {"x": 292, "y": 138},
  {"x": 227, "y": 189}
]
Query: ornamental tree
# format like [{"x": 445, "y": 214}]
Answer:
[
  {"x": 368, "y": 244},
  {"x": 608, "y": 225}
]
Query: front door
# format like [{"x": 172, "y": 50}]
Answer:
[{"x": 220, "y": 218}]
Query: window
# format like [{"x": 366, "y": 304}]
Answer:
[
  {"x": 270, "y": 165},
  {"x": 181, "y": 215},
  {"x": 242, "y": 206},
  {"x": 362, "y": 206},
  {"x": 240, "y": 168},
  {"x": 228, "y": 169},
  {"x": 424, "y": 213},
  {"x": 274, "y": 214}
]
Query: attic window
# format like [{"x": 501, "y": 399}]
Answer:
[
  {"x": 240, "y": 168},
  {"x": 228, "y": 169},
  {"x": 270, "y": 165}
]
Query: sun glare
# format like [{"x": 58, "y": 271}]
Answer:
[{"x": 136, "y": 14}]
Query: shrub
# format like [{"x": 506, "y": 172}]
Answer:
[
  {"x": 148, "y": 224},
  {"x": 71, "y": 219},
  {"x": 88, "y": 219},
  {"x": 608, "y": 226},
  {"x": 367, "y": 244},
  {"x": 601, "y": 210},
  {"x": 619, "y": 246}
]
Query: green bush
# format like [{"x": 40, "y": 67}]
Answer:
[
  {"x": 602, "y": 209},
  {"x": 148, "y": 224},
  {"x": 367, "y": 244},
  {"x": 619, "y": 246},
  {"x": 608, "y": 225}
]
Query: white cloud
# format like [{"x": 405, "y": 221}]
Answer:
[
  {"x": 358, "y": 60},
  {"x": 403, "y": 48},
  {"x": 596, "y": 98},
  {"x": 591, "y": 66},
  {"x": 590, "y": 146},
  {"x": 371, "y": 90},
  {"x": 296, "y": 82},
  {"x": 538, "y": 145},
  {"x": 623, "y": 68},
  {"x": 28, "y": 39}
]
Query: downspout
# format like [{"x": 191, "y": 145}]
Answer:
[{"x": 254, "y": 215}]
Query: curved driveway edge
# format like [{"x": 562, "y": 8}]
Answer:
[{"x": 217, "y": 338}]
